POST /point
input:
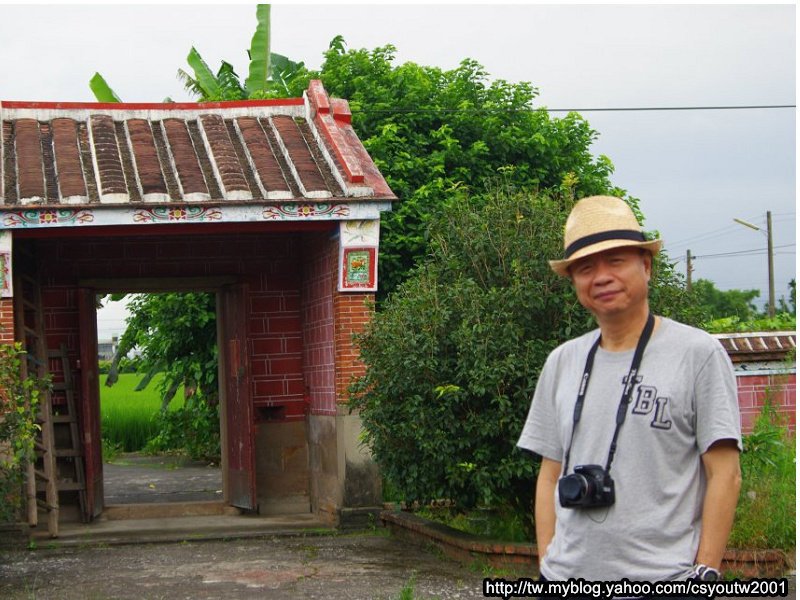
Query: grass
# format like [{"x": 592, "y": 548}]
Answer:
[
  {"x": 499, "y": 524},
  {"x": 765, "y": 514},
  {"x": 127, "y": 417}
]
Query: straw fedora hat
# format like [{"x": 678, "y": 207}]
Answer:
[{"x": 599, "y": 223}]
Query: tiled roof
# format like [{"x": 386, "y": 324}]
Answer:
[
  {"x": 758, "y": 346},
  {"x": 56, "y": 154}
]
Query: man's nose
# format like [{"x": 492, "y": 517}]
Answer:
[{"x": 602, "y": 273}]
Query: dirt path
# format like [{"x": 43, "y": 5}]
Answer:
[{"x": 340, "y": 567}]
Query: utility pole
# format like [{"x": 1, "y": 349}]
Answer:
[
  {"x": 770, "y": 265},
  {"x": 689, "y": 270}
]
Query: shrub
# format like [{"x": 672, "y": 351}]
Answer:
[
  {"x": 19, "y": 400},
  {"x": 453, "y": 357},
  {"x": 192, "y": 428}
]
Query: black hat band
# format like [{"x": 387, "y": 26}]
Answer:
[{"x": 614, "y": 234}]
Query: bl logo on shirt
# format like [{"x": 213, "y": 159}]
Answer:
[{"x": 648, "y": 402}]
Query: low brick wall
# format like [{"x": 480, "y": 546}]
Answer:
[
  {"x": 459, "y": 545},
  {"x": 470, "y": 548}
]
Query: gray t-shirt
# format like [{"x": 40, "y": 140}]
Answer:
[{"x": 684, "y": 400}]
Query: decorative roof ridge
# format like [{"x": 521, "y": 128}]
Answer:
[{"x": 754, "y": 334}]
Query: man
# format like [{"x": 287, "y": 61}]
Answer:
[{"x": 659, "y": 500}]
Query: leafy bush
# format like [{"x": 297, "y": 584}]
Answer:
[
  {"x": 782, "y": 321},
  {"x": 453, "y": 357},
  {"x": 126, "y": 365},
  {"x": 192, "y": 428},
  {"x": 19, "y": 401}
]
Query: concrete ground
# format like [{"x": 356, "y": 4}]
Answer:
[
  {"x": 365, "y": 566},
  {"x": 312, "y": 566},
  {"x": 216, "y": 554},
  {"x": 139, "y": 478}
]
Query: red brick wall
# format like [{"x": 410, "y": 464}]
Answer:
[
  {"x": 319, "y": 283},
  {"x": 753, "y": 390},
  {"x": 330, "y": 320},
  {"x": 6, "y": 320},
  {"x": 351, "y": 312}
]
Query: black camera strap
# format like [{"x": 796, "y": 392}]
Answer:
[{"x": 622, "y": 411}]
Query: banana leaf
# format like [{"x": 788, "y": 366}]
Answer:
[
  {"x": 230, "y": 88},
  {"x": 203, "y": 76},
  {"x": 283, "y": 69},
  {"x": 102, "y": 91},
  {"x": 259, "y": 53}
]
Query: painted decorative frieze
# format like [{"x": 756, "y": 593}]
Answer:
[
  {"x": 47, "y": 217},
  {"x": 172, "y": 215},
  {"x": 361, "y": 212}
]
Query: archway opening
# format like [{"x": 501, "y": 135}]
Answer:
[{"x": 159, "y": 399}]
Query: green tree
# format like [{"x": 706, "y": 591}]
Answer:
[
  {"x": 784, "y": 319},
  {"x": 176, "y": 334},
  {"x": 454, "y": 356},
  {"x": 719, "y": 304}
]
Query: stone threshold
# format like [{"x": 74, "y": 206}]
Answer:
[{"x": 469, "y": 548}]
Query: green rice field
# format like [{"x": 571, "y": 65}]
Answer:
[{"x": 128, "y": 417}]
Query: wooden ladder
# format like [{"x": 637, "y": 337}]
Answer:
[
  {"x": 29, "y": 322},
  {"x": 68, "y": 453}
]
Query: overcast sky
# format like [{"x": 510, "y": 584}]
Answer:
[{"x": 694, "y": 170}]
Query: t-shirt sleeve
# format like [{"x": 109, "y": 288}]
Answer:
[
  {"x": 540, "y": 432},
  {"x": 717, "y": 402}
]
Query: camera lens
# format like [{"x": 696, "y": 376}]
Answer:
[{"x": 572, "y": 488}]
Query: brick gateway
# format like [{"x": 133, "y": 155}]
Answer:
[{"x": 274, "y": 206}]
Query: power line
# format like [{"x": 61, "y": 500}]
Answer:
[
  {"x": 706, "y": 236},
  {"x": 671, "y": 108},
  {"x": 752, "y": 252},
  {"x": 715, "y": 233},
  {"x": 567, "y": 110}
]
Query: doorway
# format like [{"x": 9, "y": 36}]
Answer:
[
  {"x": 159, "y": 398},
  {"x": 228, "y": 326}
]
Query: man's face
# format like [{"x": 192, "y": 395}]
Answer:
[{"x": 614, "y": 282}]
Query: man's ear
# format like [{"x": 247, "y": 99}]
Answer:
[{"x": 648, "y": 263}]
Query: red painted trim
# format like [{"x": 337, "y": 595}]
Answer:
[
  {"x": 340, "y": 146},
  {"x": 14, "y": 104},
  {"x": 318, "y": 96}
]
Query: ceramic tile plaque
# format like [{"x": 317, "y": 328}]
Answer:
[{"x": 359, "y": 270}]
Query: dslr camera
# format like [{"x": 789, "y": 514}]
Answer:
[{"x": 590, "y": 486}]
